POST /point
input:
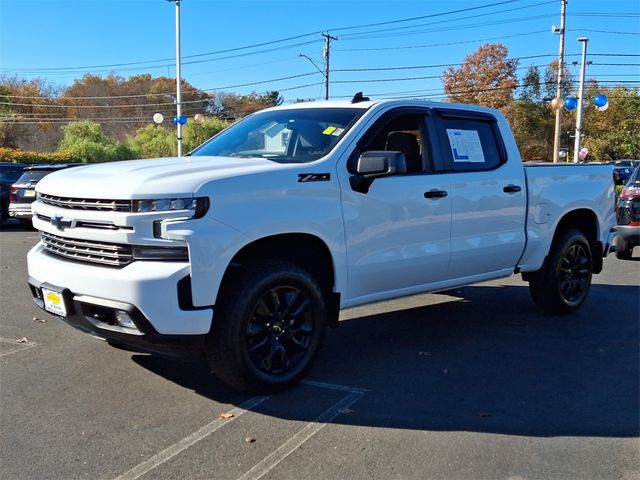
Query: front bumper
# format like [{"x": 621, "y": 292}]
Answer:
[
  {"x": 147, "y": 288},
  {"x": 97, "y": 317}
]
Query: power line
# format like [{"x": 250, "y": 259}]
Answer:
[
  {"x": 440, "y": 44},
  {"x": 450, "y": 12}
]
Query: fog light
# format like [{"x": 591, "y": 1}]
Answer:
[{"x": 124, "y": 320}]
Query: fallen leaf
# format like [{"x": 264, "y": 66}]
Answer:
[
  {"x": 249, "y": 440},
  {"x": 23, "y": 340},
  {"x": 39, "y": 320},
  {"x": 226, "y": 415}
]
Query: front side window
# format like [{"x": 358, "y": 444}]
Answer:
[{"x": 284, "y": 136}]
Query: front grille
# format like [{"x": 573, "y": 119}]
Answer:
[
  {"x": 112, "y": 254},
  {"x": 86, "y": 203}
]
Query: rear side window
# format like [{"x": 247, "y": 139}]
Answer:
[{"x": 470, "y": 144}]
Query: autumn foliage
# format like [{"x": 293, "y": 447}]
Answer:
[{"x": 487, "y": 77}]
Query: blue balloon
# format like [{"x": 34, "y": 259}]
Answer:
[
  {"x": 174, "y": 121},
  {"x": 182, "y": 120},
  {"x": 571, "y": 103},
  {"x": 600, "y": 100}
]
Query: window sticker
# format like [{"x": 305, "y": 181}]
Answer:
[
  {"x": 334, "y": 131},
  {"x": 465, "y": 146}
]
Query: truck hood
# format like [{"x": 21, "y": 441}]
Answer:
[{"x": 159, "y": 177}]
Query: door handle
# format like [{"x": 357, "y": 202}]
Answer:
[
  {"x": 435, "y": 194},
  {"x": 512, "y": 189}
]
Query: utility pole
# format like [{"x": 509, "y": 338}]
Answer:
[
  {"x": 178, "y": 78},
  {"x": 325, "y": 55},
  {"x": 576, "y": 148},
  {"x": 556, "y": 136}
]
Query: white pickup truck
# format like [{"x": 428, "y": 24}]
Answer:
[{"x": 248, "y": 247}]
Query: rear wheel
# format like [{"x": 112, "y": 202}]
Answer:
[
  {"x": 623, "y": 249},
  {"x": 563, "y": 282},
  {"x": 268, "y": 327}
]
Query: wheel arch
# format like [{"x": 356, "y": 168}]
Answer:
[
  {"x": 586, "y": 221},
  {"x": 306, "y": 250}
]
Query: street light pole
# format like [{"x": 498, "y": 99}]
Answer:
[
  {"x": 556, "y": 135},
  {"x": 576, "y": 148},
  {"x": 178, "y": 79},
  {"x": 325, "y": 54}
]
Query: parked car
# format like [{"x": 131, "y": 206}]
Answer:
[
  {"x": 9, "y": 173},
  {"x": 628, "y": 217},
  {"x": 22, "y": 193},
  {"x": 246, "y": 249},
  {"x": 622, "y": 171}
]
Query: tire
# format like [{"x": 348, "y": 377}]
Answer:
[
  {"x": 562, "y": 284},
  {"x": 268, "y": 327},
  {"x": 623, "y": 249}
]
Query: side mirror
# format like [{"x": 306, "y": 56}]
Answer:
[
  {"x": 381, "y": 163},
  {"x": 375, "y": 164}
]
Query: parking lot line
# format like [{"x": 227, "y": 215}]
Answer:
[
  {"x": 20, "y": 345},
  {"x": 180, "y": 446},
  {"x": 272, "y": 460}
]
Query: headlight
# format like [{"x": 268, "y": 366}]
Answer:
[{"x": 199, "y": 205}]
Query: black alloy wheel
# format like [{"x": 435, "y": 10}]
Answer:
[
  {"x": 280, "y": 330},
  {"x": 575, "y": 274},
  {"x": 268, "y": 325},
  {"x": 563, "y": 282}
]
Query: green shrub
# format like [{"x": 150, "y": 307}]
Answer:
[{"x": 19, "y": 156}]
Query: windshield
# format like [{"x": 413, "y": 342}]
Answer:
[{"x": 284, "y": 136}]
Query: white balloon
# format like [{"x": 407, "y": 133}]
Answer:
[{"x": 158, "y": 118}]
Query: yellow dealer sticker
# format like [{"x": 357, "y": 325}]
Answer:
[{"x": 329, "y": 130}]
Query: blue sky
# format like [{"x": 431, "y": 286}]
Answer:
[{"x": 60, "y": 40}]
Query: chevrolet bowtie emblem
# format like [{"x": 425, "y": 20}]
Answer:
[{"x": 61, "y": 223}]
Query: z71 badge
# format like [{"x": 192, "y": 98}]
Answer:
[{"x": 314, "y": 177}]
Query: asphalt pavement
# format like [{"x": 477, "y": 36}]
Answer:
[{"x": 474, "y": 383}]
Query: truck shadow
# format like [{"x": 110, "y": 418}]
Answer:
[{"x": 486, "y": 361}]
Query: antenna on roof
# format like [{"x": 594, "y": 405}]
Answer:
[{"x": 358, "y": 97}]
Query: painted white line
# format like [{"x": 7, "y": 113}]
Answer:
[
  {"x": 187, "y": 442},
  {"x": 19, "y": 346},
  {"x": 333, "y": 386},
  {"x": 272, "y": 460}
]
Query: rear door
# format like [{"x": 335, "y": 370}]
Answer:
[{"x": 488, "y": 194}]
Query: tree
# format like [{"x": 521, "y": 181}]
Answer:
[
  {"x": 124, "y": 105},
  {"x": 486, "y": 77},
  {"x": 612, "y": 134},
  {"x": 29, "y": 114},
  {"x": 232, "y": 106},
  {"x": 86, "y": 141}
]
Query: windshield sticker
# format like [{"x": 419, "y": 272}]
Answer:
[
  {"x": 465, "y": 146},
  {"x": 329, "y": 130}
]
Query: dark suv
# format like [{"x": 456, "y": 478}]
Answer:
[
  {"x": 9, "y": 173},
  {"x": 628, "y": 216},
  {"x": 23, "y": 192}
]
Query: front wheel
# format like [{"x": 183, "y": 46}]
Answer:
[
  {"x": 268, "y": 325},
  {"x": 563, "y": 282}
]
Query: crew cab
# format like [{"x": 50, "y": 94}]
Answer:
[{"x": 245, "y": 250}]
